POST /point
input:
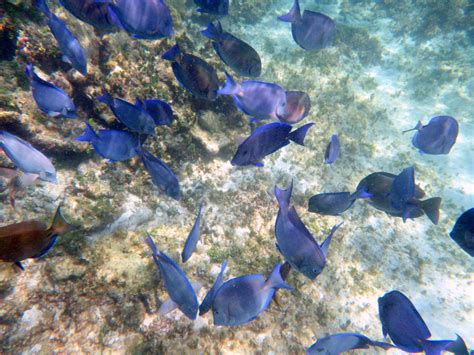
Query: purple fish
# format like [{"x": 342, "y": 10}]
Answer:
[
  {"x": 463, "y": 232},
  {"x": 93, "y": 12},
  {"x": 334, "y": 203},
  {"x": 297, "y": 107},
  {"x": 335, "y": 344},
  {"x": 160, "y": 111},
  {"x": 333, "y": 150},
  {"x": 216, "y": 7}
]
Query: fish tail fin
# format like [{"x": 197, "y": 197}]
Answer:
[
  {"x": 213, "y": 31},
  {"x": 275, "y": 280},
  {"x": 42, "y": 6},
  {"x": 458, "y": 347},
  {"x": 30, "y": 71},
  {"x": 230, "y": 87},
  {"x": 435, "y": 347},
  {"x": 89, "y": 135},
  {"x": 60, "y": 225},
  {"x": 327, "y": 241},
  {"x": 283, "y": 196},
  {"x": 294, "y": 15},
  {"x": 106, "y": 98},
  {"x": 172, "y": 53},
  {"x": 418, "y": 126},
  {"x": 299, "y": 135},
  {"x": 361, "y": 193},
  {"x": 431, "y": 208},
  {"x": 151, "y": 244}
]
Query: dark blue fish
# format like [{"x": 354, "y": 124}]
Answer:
[
  {"x": 193, "y": 238},
  {"x": 161, "y": 175},
  {"x": 334, "y": 203},
  {"x": 402, "y": 322},
  {"x": 177, "y": 284},
  {"x": 402, "y": 192},
  {"x": 133, "y": 116},
  {"x": 93, "y": 12},
  {"x": 111, "y": 144},
  {"x": 234, "y": 52},
  {"x": 311, "y": 31},
  {"x": 333, "y": 150},
  {"x": 209, "y": 298},
  {"x": 295, "y": 242},
  {"x": 267, "y": 139},
  {"x": 297, "y": 107},
  {"x": 193, "y": 73},
  {"x": 437, "y": 137},
  {"x": 50, "y": 99},
  {"x": 69, "y": 45},
  {"x": 379, "y": 185},
  {"x": 150, "y": 19},
  {"x": 160, "y": 111},
  {"x": 26, "y": 158},
  {"x": 216, "y": 7},
  {"x": 255, "y": 98},
  {"x": 463, "y": 232},
  {"x": 339, "y": 343},
  {"x": 242, "y": 299}
]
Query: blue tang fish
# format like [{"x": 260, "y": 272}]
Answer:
[
  {"x": 177, "y": 284},
  {"x": 295, "y": 242},
  {"x": 311, "y": 31},
  {"x": 133, "y": 116},
  {"x": 234, "y": 52},
  {"x": 333, "y": 150},
  {"x": 111, "y": 144},
  {"x": 334, "y": 203},
  {"x": 160, "y": 111},
  {"x": 405, "y": 327},
  {"x": 142, "y": 19},
  {"x": 93, "y": 12},
  {"x": 256, "y": 98},
  {"x": 193, "y": 238},
  {"x": 209, "y": 298},
  {"x": 161, "y": 175},
  {"x": 335, "y": 344},
  {"x": 437, "y": 137},
  {"x": 242, "y": 299},
  {"x": 50, "y": 99},
  {"x": 463, "y": 232},
  {"x": 26, "y": 158},
  {"x": 69, "y": 45},
  {"x": 296, "y": 108},
  {"x": 193, "y": 73},
  {"x": 402, "y": 192},
  {"x": 215, "y": 7},
  {"x": 267, "y": 139}
]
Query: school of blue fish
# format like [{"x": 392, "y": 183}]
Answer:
[{"x": 242, "y": 299}]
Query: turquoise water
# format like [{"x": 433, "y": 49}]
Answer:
[{"x": 389, "y": 65}]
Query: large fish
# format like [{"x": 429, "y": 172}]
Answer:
[
  {"x": 50, "y": 99},
  {"x": 93, "y": 12},
  {"x": 234, "y": 52},
  {"x": 69, "y": 45},
  {"x": 311, "y": 31},
  {"x": 30, "y": 239},
  {"x": 463, "y": 232},
  {"x": 215, "y": 7},
  {"x": 26, "y": 158},
  {"x": 336, "y": 344}
]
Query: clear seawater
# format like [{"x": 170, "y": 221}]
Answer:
[{"x": 390, "y": 64}]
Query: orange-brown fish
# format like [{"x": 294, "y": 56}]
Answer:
[
  {"x": 30, "y": 239},
  {"x": 18, "y": 182}
]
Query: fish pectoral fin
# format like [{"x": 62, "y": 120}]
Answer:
[
  {"x": 20, "y": 265},
  {"x": 65, "y": 59},
  {"x": 167, "y": 306},
  {"x": 54, "y": 114},
  {"x": 259, "y": 164}
]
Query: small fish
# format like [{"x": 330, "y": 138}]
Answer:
[
  {"x": 150, "y": 19},
  {"x": 31, "y": 239},
  {"x": 69, "y": 45},
  {"x": 26, "y": 158},
  {"x": 161, "y": 175},
  {"x": 339, "y": 343},
  {"x": 267, "y": 139},
  {"x": 216, "y": 7},
  {"x": 463, "y": 232},
  {"x": 193, "y": 73},
  {"x": 111, "y": 144},
  {"x": 334, "y": 203},
  {"x": 379, "y": 185},
  {"x": 402, "y": 322},
  {"x": 242, "y": 299},
  {"x": 311, "y": 31},
  {"x": 193, "y": 238},
  {"x": 255, "y": 98},
  {"x": 296, "y": 108},
  {"x": 177, "y": 284},
  {"x": 18, "y": 182},
  {"x": 295, "y": 242},
  {"x": 93, "y": 12},
  {"x": 333, "y": 150},
  {"x": 209, "y": 298},
  {"x": 437, "y": 137},
  {"x": 50, "y": 99},
  {"x": 234, "y": 52},
  {"x": 133, "y": 116},
  {"x": 160, "y": 111}
]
